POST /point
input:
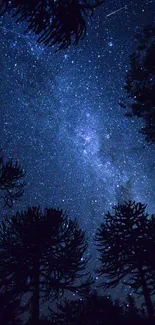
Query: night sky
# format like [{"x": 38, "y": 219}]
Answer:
[{"x": 61, "y": 120}]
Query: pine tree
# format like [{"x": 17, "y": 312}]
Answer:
[
  {"x": 11, "y": 181},
  {"x": 131, "y": 306},
  {"x": 41, "y": 253},
  {"x": 60, "y": 22},
  {"x": 92, "y": 310},
  {"x": 121, "y": 242},
  {"x": 140, "y": 83}
]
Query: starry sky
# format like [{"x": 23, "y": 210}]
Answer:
[{"x": 61, "y": 120}]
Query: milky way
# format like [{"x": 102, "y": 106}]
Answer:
[{"x": 61, "y": 119}]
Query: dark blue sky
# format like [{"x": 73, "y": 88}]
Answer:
[{"x": 61, "y": 120}]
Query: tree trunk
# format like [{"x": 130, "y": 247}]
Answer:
[
  {"x": 35, "y": 295},
  {"x": 146, "y": 293}
]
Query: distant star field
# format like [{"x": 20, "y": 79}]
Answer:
[{"x": 61, "y": 120}]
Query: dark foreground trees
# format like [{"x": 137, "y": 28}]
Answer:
[
  {"x": 93, "y": 310},
  {"x": 11, "y": 181},
  {"x": 98, "y": 310},
  {"x": 9, "y": 311},
  {"x": 140, "y": 83},
  {"x": 60, "y": 22},
  {"x": 41, "y": 253},
  {"x": 123, "y": 242}
]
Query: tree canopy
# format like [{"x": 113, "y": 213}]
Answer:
[
  {"x": 60, "y": 22},
  {"x": 91, "y": 310},
  {"x": 140, "y": 83},
  {"x": 122, "y": 242},
  {"x": 11, "y": 181},
  {"x": 41, "y": 253}
]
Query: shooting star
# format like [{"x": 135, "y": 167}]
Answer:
[{"x": 112, "y": 13}]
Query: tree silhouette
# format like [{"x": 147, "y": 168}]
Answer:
[
  {"x": 149, "y": 250},
  {"x": 60, "y": 22},
  {"x": 9, "y": 311},
  {"x": 92, "y": 310},
  {"x": 11, "y": 181},
  {"x": 140, "y": 83},
  {"x": 131, "y": 312},
  {"x": 121, "y": 242},
  {"x": 41, "y": 253},
  {"x": 69, "y": 312}
]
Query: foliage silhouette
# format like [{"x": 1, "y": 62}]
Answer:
[
  {"x": 60, "y": 22},
  {"x": 69, "y": 312},
  {"x": 9, "y": 311},
  {"x": 131, "y": 312},
  {"x": 140, "y": 83},
  {"x": 121, "y": 242},
  {"x": 42, "y": 321},
  {"x": 91, "y": 310},
  {"x": 149, "y": 251},
  {"x": 11, "y": 181},
  {"x": 41, "y": 253}
]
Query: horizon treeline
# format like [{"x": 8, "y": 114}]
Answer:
[{"x": 43, "y": 256}]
